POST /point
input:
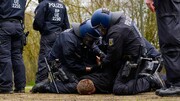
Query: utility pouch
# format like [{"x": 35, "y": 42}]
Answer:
[
  {"x": 127, "y": 68},
  {"x": 58, "y": 71},
  {"x": 62, "y": 76}
]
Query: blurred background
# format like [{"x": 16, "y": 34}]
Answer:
[{"x": 80, "y": 10}]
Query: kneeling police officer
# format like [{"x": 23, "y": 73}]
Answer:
[
  {"x": 125, "y": 44},
  {"x": 77, "y": 58}
]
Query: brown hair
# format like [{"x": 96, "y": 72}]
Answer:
[{"x": 86, "y": 87}]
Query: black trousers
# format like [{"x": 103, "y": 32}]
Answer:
[
  {"x": 168, "y": 20},
  {"x": 46, "y": 43},
  {"x": 64, "y": 88},
  {"x": 130, "y": 85},
  {"x": 11, "y": 60}
]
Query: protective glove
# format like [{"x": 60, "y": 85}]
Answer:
[{"x": 102, "y": 55}]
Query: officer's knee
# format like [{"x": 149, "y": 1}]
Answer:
[{"x": 121, "y": 90}]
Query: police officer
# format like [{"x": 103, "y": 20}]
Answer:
[
  {"x": 168, "y": 18},
  {"x": 77, "y": 58},
  {"x": 102, "y": 81},
  {"x": 125, "y": 43},
  {"x": 50, "y": 19},
  {"x": 11, "y": 45}
]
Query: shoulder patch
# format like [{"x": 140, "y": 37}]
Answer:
[
  {"x": 128, "y": 21},
  {"x": 111, "y": 42}
]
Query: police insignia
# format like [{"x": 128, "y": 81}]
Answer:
[{"x": 111, "y": 42}]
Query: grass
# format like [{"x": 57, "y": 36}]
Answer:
[{"x": 28, "y": 88}]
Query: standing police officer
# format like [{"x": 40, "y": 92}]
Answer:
[
  {"x": 11, "y": 45},
  {"x": 168, "y": 20},
  {"x": 50, "y": 19},
  {"x": 125, "y": 43}
]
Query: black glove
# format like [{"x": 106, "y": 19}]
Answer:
[{"x": 102, "y": 55}]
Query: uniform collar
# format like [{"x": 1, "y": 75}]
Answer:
[{"x": 75, "y": 27}]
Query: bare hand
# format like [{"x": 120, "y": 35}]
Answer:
[
  {"x": 150, "y": 5},
  {"x": 98, "y": 60}
]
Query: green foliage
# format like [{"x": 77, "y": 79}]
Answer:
[{"x": 31, "y": 50}]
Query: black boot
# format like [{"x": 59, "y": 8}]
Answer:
[
  {"x": 21, "y": 90},
  {"x": 42, "y": 87},
  {"x": 150, "y": 67},
  {"x": 171, "y": 91},
  {"x": 6, "y": 92},
  {"x": 156, "y": 81}
]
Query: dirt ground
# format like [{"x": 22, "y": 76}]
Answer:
[{"x": 75, "y": 97}]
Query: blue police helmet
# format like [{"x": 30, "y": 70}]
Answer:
[
  {"x": 101, "y": 17},
  {"x": 86, "y": 29}
]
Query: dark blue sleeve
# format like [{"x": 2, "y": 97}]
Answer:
[
  {"x": 66, "y": 20},
  {"x": 39, "y": 16},
  {"x": 152, "y": 52},
  {"x": 72, "y": 59},
  {"x": 64, "y": 49},
  {"x": 97, "y": 51},
  {"x": 55, "y": 51}
]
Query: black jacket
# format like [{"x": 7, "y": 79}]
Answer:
[
  {"x": 123, "y": 40},
  {"x": 73, "y": 55},
  {"x": 10, "y": 9},
  {"x": 50, "y": 16}
]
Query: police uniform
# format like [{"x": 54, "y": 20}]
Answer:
[
  {"x": 126, "y": 43},
  {"x": 168, "y": 20},
  {"x": 50, "y": 19},
  {"x": 74, "y": 57},
  {"x": 11, "y": 32}
]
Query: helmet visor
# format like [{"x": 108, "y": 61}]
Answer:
[{"x": 100, "y": 29}]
